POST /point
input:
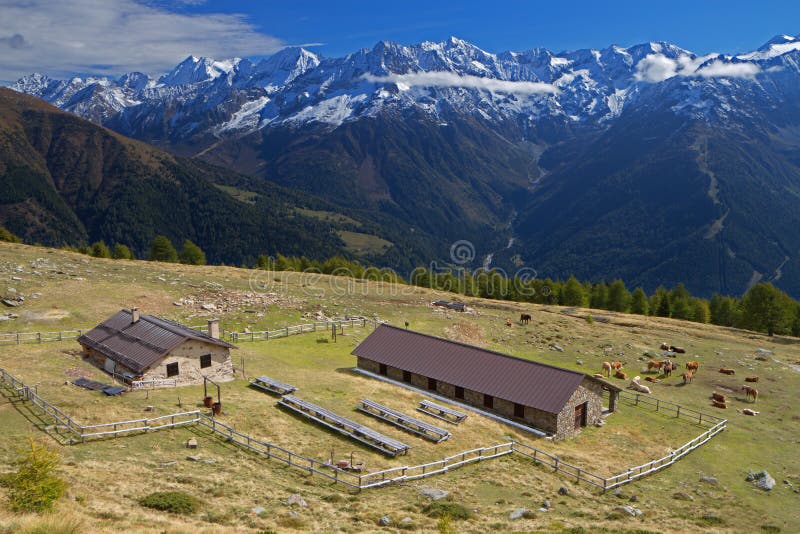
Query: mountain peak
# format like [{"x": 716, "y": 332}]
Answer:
[
  {"x": 195, "y": 69},
  {"x": 777, "y": 40}
]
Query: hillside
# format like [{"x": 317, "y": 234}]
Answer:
[{"x": 65, "y": 290}]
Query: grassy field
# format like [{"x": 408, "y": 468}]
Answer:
[{"x": 108, "y": 477}]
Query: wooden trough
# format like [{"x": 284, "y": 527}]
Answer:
[
  {"x": 441, "y": 412},
  {"x": 401, "y": 420},
  {"x": 345, "y": 426},
  {"x": 270, "y": 385}
]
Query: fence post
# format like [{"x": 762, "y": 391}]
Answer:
[
  {"x": 39, "y": 336},
  {"x": 17, "y": 338},
  {"x": 657, "y": 404}
]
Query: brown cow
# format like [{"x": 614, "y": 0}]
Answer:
[
  {"x": 717, "y": 404},
  {"x": 524, "y": 318},
  {"x": 508, "y": 322},
  {"x": 678, "y": 350},
  {"x": 618, "y": 365},
  {"x": 652, "y": 364},
  {"x": 607, "y": 369},
  {"x": 751, "y": 379},
  {"x": 665, "y": 346},
  {"x": 669, "y": 367},
  {"x": 651, "y": 379},
  {"x": 688, "y": 376},
  {"x": 719, "y": 397},
  {"x": 621, "y": 374},
  {"x": 692, "y": 366},
  {"x": 750, "y": 392},
  {"x": 727, "y": 371}
]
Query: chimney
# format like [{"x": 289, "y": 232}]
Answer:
[
  {"x": 134, "y": 315},
  {"x": 213, "y": 328}
]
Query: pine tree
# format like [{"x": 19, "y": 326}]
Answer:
[
  {"x": 599, "y": 297},
  {"x": 767, "y": 309},
  {"x": 191, "y": 254},
  {"x": 639, "y": 304},
  {"x": 122, "y": 252},
  {"x": 100, "y": 250},
  {"x": 664, "y": 308},
  {"x": 572, "y": 293},
  {"x": 162, "y": 250},
  {"x": 619, "y": 297}
]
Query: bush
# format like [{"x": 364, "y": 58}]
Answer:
[
  {"x": 35, "y": 487},
  {"x": 100, "y": 250},
  {"x": 5, "y": 235},
  {"x": 191, "y": 254},
  {"x": 162, "y": 250},
  {"x": 175, "y": 502},
  {"x": 452, "y": 510},
  {"x": 122, "y": 252}
]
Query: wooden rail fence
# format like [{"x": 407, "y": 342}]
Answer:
[
  {"x": 316, "y": 326},
  {"x": 18, "y": 338},
  {"x": 80, "y": 433}
]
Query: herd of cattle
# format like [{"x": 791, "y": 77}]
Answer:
[{"x": 665, "y": 368}]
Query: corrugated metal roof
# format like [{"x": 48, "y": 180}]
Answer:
[
  {"x": 140, "y": 345},
  {"x": 525, "y": 382}
]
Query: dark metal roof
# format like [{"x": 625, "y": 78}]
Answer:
[
  {"x": 541, "y": 386},
  {"x": 138, "y": 346}
]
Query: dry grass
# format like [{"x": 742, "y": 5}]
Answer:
[{"x": 108, "y": 477}]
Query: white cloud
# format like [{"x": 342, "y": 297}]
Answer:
[
  {"x": 58, "y": 37},
  {"x": 656, "y": 68},
  {"x": 450, "y": 79}
]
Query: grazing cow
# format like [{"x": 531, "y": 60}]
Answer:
[
  {"x": 621, "y": 375},
  {"x": 692, "y": 366},
  {"x": 651, "y": 379},
  {"x": 618, "y": 365},
  {"x": 688, "y": 376},
  {"x": 727, "y": 371},
  {"x": 665, "y": 346},
  {"x": 751, "y": 392},
  {"x": 748, "y": 411},
  {"x": 524, "y": 318},
  {"x": 607, "y": 369},
  {"x": 669, "y": 367},
  {"x": 508, "y": 322},
  {"x": 599, "y": 375},
  {"x": 678, "y": 350},
  {"x": 717, "y": 404},
  {"x": 652, "y": 364},
  {"x": 719, "y": 397},
  {"x": 751, "y": 379}
]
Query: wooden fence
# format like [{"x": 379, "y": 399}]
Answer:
[
  {"x": 359, "y": 481},
  {"x": 18, "y": 338},
  {"x": 316, "y": 326}
]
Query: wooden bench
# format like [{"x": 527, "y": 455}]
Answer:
[
  {"x": 401, "y": 420},
  {"x": 345, "y": 426},
  {"x": 441, "y": 412},
  {"x": 271, "y": 385}
]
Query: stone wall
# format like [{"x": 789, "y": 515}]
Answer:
[{"x": 588, "y": 392}]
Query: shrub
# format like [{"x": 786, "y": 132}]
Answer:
[
  {"x": 100, "y": 250},
  {"x": 35, "y": 487},
  {"x": 122, "y": 252},
  {"x": 162, "y": 250},
  {"x": 5, "y": 235},
  {"x": 453, "y": 510},
  {"x": 175, "y": 502}
]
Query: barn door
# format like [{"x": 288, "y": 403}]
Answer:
[{"x": 580, "y": 416}]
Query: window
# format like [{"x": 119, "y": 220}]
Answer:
[
  {"x": 519, "y": 410},
  {"x": 459, "y": 392},
  {"x": 172, "y": 369},
  {"x": 382, "y": 369},
  {"x": 432, "y": 384},
  {"x": 407, "y": 376},
  {"x": 205, "y": 361},
  {"x": 488, "y": 401}
]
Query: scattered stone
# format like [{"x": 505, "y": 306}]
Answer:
[
  {"x": 434, "y": 494},
  {"x": 629, "y": 510},
  {"x": 208, "y": 307},
  {"x": 517, "y": 514},
  {"x": 634, "y": 498},
  {"x": 579, "y": 362},
  {"x": 406, "y": 521},
  {"x": 557, "y": 348},
  {"x": 546, "y": 504},
  {"x": 764, "y": 351},
  {"x": 543, "y": 510},
  {"x": 150, "y": 409},
  {"x": 710, "y": 480},
  {"x": 11, "y": 303},
  {"x": 295, "y": 499},
  {"x": 194, "y": 458},
  {"x": 168, "y": 464},
  {"x": 762, "y": 479},
  {"x": 258, "y": 510},
  {"x": 620, "y": 494},
  {"x": 294, "y": 514},
  {"x": 682, "y": 496},
  {"x": 17, "y": 278},
  {"x": 563, "y": 490},
  {"x": 192, "y": 443},
  {"x": 385, "y": 521}
]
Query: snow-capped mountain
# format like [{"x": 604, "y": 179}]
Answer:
[{"x": 207, "y": 97}]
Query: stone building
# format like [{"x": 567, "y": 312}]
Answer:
[
  {"x": 556, "y": 401},
  {"x": 136, "y": 346}
]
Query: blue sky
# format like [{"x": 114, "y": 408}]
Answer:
[{"x": 108, "y": 37}]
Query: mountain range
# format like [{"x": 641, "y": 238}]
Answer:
[{"x": 649, "y": 163}]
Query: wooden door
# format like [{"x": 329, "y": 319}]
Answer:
[{"x": 580, "y": 416}]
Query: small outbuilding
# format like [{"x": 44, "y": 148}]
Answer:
[
  {"x": 136, "y": 347},
  {"x": 556, "y": 401}
]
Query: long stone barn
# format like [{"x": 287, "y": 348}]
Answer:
[
  {"x": 143, "y": 347},
  {"x": 553, "y": 400}
]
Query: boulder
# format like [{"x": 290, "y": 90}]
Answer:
[
  {"x": 628, "y": 510},
  {"x": 546, "y": 504},
  {"x": 258, "y": 510},
  {"x": 517, "y": 514},
  {"x": 385, "y": 521},
  {"x": 710, "y": 480},
  {"x": 563, "y": 490},
  {"x": 682, "y": 496},
  {"x": 295, "y": 499},
  {"x": 434, "y": 494}
]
